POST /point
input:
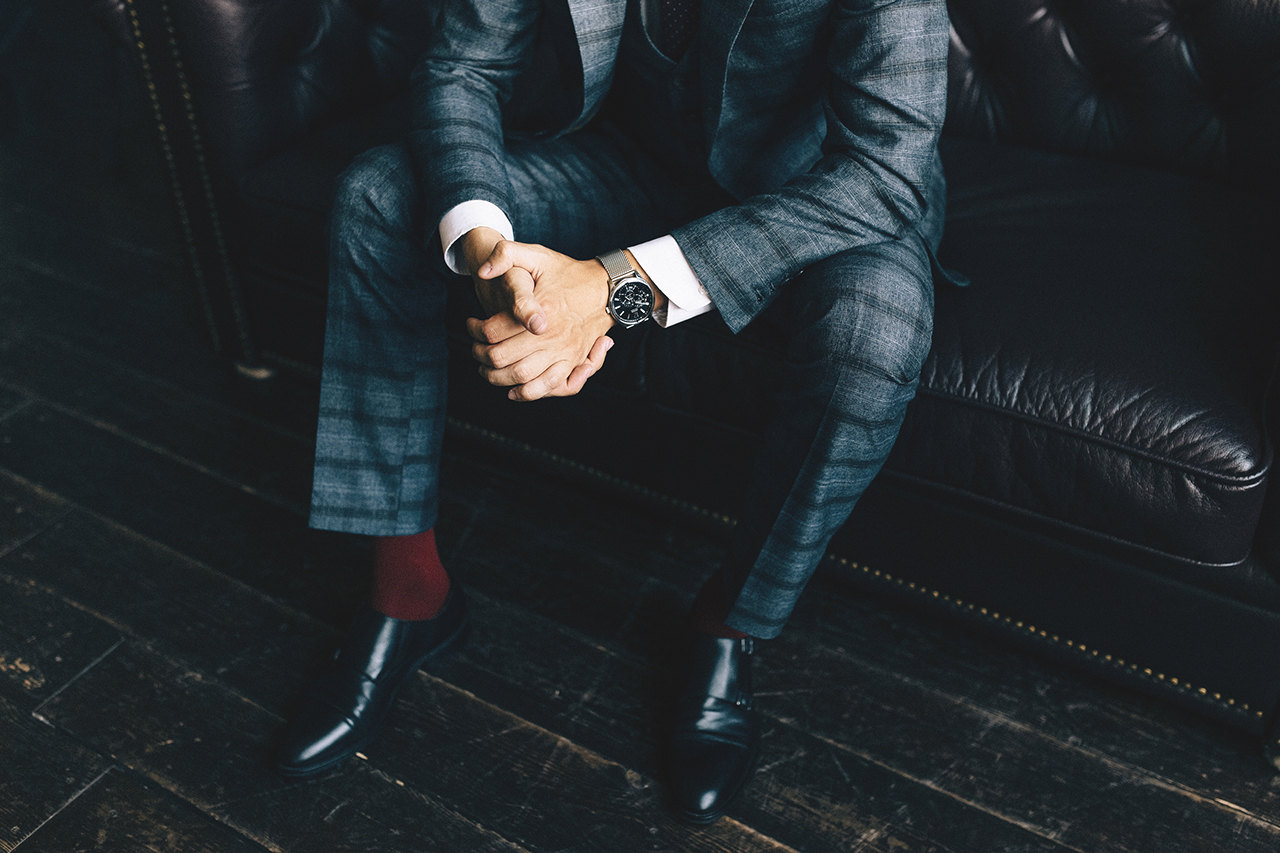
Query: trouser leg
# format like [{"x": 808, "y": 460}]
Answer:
[
  {"x": 382, "y": 407},
  {"x": 858, "y": 327},
  {"x": 382, "y": 393}
]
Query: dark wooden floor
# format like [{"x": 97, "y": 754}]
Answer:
[{"x": 162, "y": 602}]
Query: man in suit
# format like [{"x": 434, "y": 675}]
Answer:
[{"x": 755, "y": 162}]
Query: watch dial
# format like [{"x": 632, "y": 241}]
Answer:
[{"x": 632, "y": 301}]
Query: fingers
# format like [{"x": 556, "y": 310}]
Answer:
[
  {"x": 505, "y": 353},
  {"x": 521, "y": 371},
  {"x": 518, "y": 264},
  {"x": 498, "y": 328},
  {"x": 572, "y": 383},
  {"x": 579, "y": 375}
]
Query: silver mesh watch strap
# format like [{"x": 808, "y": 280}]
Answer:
[{"x": 616, "y": 265}]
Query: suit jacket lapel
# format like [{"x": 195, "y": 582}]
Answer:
[
  {"x": 598, "y": 27},
  {"x": 716, "y": 44}
]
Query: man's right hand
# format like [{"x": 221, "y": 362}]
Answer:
[{"x": 510, "y": 293}]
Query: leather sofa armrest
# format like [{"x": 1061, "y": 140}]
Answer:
[{"x": 263, "y": 73}]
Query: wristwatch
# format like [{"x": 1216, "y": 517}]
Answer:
[{"x": 630, "y": 296}]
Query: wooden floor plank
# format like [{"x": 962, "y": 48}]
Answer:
[
  {"x": 41, "y": 770},
  {"x": 863, "y": 727},
  {"x": 948, "y": 748},
  {"x": 180, "y": 725},
  {"x": 44, "y": 641},
  {"x": 1099, "y": 722},
  {"x": 24, "y": 511},
  {"x": 10, "y": 399},
  {"x": 84, "y": 257},
  {"x": 240, "y": 449},
  {"x": 560, "y": 681},
  {"x": 1081, "y": 798},
  {"x": 154, "y": 594},
  {"x": 501, "y": 772},
  {"x": 158, "y": 333},
  {"x": 32, "y": 302},
  {"x": 811, "y": 793},
  {"x": 570, "y": 592},
  {"x": 1070, "y": 708},
  {"x": 125, "y": 814},
  {"x": 214, "y": 748},
  {"x": 178, "y": 505}
]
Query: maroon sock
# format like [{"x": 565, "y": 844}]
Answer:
[
  {"x": 409, "y": 581},
  {"x": 711, "y": 608}
]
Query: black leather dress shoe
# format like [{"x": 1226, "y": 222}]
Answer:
[
  {"x": 716, "y": 737},
  {"x": 346, "y": 707}
]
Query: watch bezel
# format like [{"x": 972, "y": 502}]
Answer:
[{"x": 616, "y": 285}]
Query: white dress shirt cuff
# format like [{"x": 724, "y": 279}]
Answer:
[
  {"x": 462, "y": 218},
  {"x": 664, "y": 262}
]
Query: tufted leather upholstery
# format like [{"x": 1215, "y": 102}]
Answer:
[
  {"x": 266, "y": 72},
  {"x": 1099, "y": 371},
  {"x": 1185, "y": 85}
]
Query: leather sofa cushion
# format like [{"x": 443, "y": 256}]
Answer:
[
  {"x": 1103, "y": 375},
  {"x": 1107, "y": 368}
]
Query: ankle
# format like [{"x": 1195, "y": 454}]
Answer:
[
  {"x": 409, "y": 580},
  {"x": 711, "y": 609}
]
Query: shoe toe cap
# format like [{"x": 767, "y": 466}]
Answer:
[
  {"x": 706, "y": 776},
  {"x": 313, "y": 743}
]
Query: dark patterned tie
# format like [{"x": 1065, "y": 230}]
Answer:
[{"x": 679, "y": 20}]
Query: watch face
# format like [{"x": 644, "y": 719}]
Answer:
[{"x": 632, "y": 301}]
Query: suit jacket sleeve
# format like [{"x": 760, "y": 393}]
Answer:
[
  {"x": 885, "y": 102},
  {"x": 459, "y": 88}
]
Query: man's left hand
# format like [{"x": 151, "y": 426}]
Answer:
[{"x": 570, "y": 348}]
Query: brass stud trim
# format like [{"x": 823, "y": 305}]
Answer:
[
  {"x": 184, "y": 215},
  {"x": 166, "y": 146},
  {"x": 1182, "y": 685}
]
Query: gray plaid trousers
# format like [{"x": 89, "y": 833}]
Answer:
[{"x": 858, "y": 328}]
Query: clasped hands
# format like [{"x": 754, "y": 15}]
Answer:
[{"x": 545, "y": 335}]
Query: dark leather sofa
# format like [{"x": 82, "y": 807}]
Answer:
[{"x": 1085, "y": 469}]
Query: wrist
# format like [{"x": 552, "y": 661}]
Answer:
[
  {"x": 659, "y": 298},
  {"x": 631, "y": 294},
  {"x": 477, "y": 245}
]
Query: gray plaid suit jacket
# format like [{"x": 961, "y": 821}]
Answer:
[{"x": 820, "y": 116}]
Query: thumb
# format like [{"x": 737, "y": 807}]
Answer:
[
  {"x": 517, "y": 264},
  {"x": 595, "y": 360},
  {"x": 524, "y": 306},
  {"x": 505, "y": 255}
]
